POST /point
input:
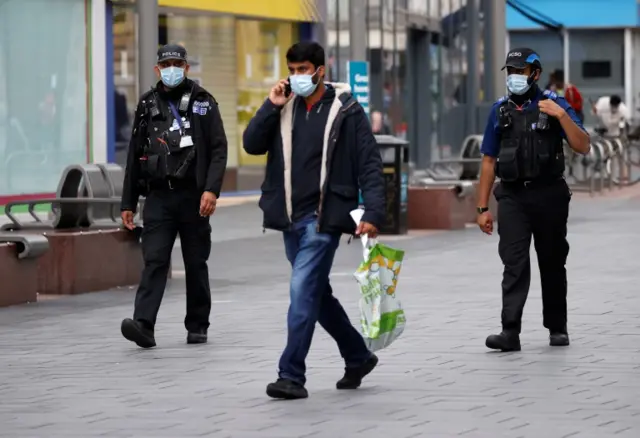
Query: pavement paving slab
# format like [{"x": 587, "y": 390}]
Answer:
[{"x": 65, "y": 370}]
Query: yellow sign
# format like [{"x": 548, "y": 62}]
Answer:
[{"x": 288, "y": 10}]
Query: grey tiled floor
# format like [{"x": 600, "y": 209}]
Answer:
[{"x": 66, "y": 372}]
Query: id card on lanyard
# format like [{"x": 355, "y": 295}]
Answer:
[{"x": 185, "y": 140}]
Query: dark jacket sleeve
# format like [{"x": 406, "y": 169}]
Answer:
[
  {"x": 217, "y": 142},
  {"x": 370, "y": 176},
  {"x": 131, "y": 188},
  {"x": 258, "y": 137}
]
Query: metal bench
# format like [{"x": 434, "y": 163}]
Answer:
[
  {"x": 88, "y": 195},
  {"x": 29, "y": 246},
  {"x": 465, "y": 167},
  {"x": 462, "y": 189},
  {"x": 113, "y": 176}
]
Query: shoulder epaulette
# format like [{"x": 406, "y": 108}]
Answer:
[
  {"x": 148, "y": 93},
  {"x": 203, "y": 95}
]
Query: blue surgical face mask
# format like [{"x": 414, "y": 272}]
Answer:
[
  {"x": 172, "y": 76},
  {"x": 302, "y": 85},
  {"x": 518, "y": 84}
]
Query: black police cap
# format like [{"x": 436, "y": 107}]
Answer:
[
  {"x": 172, "y": 51},
  {"x": 521, "y": 57}
]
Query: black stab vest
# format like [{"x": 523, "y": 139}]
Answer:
[
  {"x": 528, "y": 153},
  {"x": 162, "y": 157}
]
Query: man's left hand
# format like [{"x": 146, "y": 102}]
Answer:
[
  {"x": 368, "y": 229},
  {"x": 548, "y": 106},
  {"x": 207, "y": 204}
]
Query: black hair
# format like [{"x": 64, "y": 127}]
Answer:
[
  {"x": 615, "y": 100},
  {"x": 558, "y": 75},
  {"x": 306, "y": 51}
]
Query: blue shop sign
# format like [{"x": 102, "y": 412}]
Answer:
[{"x": 358, "y": 74}]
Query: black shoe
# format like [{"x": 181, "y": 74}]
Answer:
[
  {"x": 286, "y": 389},
  {"x": 197, "y": 337},
  {"x": 136, "y": 332},
  {"x": 505, "y": 341},
  {"x": 558, "y": 339},
  {"x": 353, "y": 376}
]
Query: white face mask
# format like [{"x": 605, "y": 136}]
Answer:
[
  {"x": 172, "y": 76},
  {"x": 518, "y": 84},
  {"x": 302, "y": 85}
]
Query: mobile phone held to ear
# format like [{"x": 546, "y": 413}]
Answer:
[{"x": 287, "y": 88}]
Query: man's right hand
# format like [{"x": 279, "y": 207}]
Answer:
[
  {"x": 127, "y": 220},
  {"x": 276, "y": 95},
  {"x": 485, "y": 222}
]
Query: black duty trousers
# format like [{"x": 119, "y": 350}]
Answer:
[
  {"x": 541, "y": 210},
  {"x": 167, "y": 213}
]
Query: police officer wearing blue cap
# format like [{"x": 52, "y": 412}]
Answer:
[{"x": 523, "y": 147}]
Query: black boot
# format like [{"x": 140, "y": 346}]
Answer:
[
  {"x": 505, "y": 341},
  {"x": 558, "y": 339},
  {"x": 286, "y": 389},
  {"x": 353, "y": 376},
  {"x": 197, "y": 337},
  {"x": 135, "y": 331}
]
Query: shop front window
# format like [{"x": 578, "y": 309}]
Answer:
[
  {"x": 43, "y": 93},
  {"x": 261, "y": 62},
  {"x": 210, "y": 41},
  {"x": 125, "y": 72}
]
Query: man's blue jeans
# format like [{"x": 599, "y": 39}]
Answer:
[{"x": 311, "y": 256}]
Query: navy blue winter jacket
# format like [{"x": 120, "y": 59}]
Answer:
[{"x": 351, "y": 161}]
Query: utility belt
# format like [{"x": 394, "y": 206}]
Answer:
[
  {"x": 533, "y": 183},
  {"x": 172, "y": 184}
]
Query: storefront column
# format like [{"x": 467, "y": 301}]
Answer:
[
  {"x": 358, "y": 30},
  {"x": 495, "y": 31},
  {"x": 320, "y": 28},
  {"x": 566, "y": 55},
  {"x": 628, "y": 70},
  {"x": 98, "y": 117},
  {"x": 147, "y": 43},
  {"x": 472, "y": 65}
]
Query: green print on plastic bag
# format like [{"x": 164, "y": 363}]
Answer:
[
  {"x": 371, "y": 290},
  {"x": 381, "y": 315}
]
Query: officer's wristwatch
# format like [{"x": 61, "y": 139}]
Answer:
[{"x": 481, "y": 210}]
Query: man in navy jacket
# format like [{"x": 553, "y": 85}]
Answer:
[{"x": 320, "y": 152}]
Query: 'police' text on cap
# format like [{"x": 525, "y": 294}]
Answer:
[{"x": 172, "y": 51}]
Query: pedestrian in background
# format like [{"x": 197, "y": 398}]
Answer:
[
  {"x": 613, "y": 115},
  {"x": 177, "y": 159},
  {"x": 378, "y": 125},
  {"x": 320, "y": 151},
  {"x": 569, "y": 91},
  {"x": 523, "y": 146}
]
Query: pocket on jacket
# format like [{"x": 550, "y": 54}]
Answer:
[
  {"x": 273, "y": 205},
  {"x": 341, "y": 200},
  {"x": 344, "y": 191},
  {"x": 507, "y": 164}
]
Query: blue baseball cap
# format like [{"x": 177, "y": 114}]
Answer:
[{"x": 521, "y": 57}]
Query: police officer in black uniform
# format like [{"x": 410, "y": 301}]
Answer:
[
  {"x": 523, "y": 146},
  {"x": 177, "y": 159}
]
